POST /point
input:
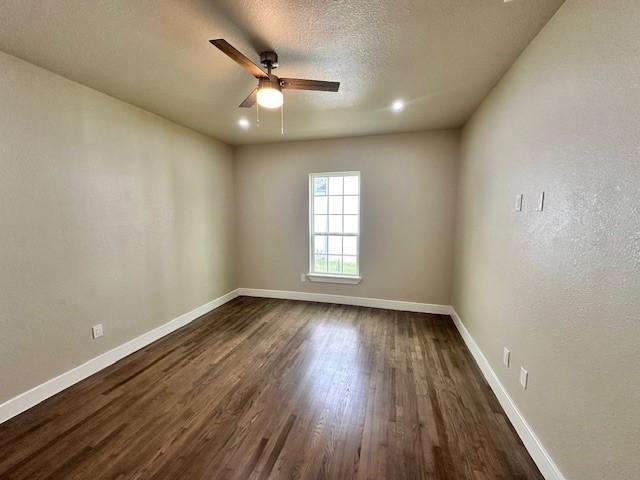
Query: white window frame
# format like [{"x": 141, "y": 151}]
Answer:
[{"x": 334, "y": 277}]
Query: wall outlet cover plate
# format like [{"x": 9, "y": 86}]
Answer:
[
  {"x": 524, "y": 377},
  {"x": 96, "y": 331}
]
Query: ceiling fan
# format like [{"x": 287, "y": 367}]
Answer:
[{"x": 268, "y": 93}]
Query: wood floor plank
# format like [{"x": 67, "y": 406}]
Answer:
[{"x": 270, "y": 389}]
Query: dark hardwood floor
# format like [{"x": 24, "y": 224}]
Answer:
[{"x": 264, "y": 388}]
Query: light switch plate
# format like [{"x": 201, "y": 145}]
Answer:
[
  {"x": 303, "y": 277},
  {"x": 518, "y": 202},
  {"x": 540, "y": 204},
  {"x": 506, "y": 355},
  {"x": 524, "y": 377}
]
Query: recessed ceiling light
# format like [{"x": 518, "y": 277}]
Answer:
[
  {"x": 244, "y": 123},
  {"x": 397, "y": 106}
]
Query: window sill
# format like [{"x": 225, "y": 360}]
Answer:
[{"x": 319, "y": 277}]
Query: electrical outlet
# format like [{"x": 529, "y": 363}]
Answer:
[
  {"x": 506, "y": 355},
  {"x": 524, "y": 378},
  {"x": 96, "y": 331},
  {"x": 303, "y": 277},
  {"x": 519, "y": 202}
]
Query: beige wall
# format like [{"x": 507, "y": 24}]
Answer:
[
  {"x": 561, "y": 288},
  {"x": 408, "y": 193},
  {"x": 108, "y": 214}
]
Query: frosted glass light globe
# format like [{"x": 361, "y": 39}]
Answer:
[{"x": 270, "y": 97}]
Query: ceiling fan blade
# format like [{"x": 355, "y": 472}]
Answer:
[
  {"x": 250, "y": 100},
  {"x": 238, "y": 57},
  {"x": 301, "y": 84}
]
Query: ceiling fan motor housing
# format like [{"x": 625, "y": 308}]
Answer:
[{"x": 269, "y": 59}]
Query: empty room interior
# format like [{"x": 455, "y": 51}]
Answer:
[{"x": 374, "y": 240}]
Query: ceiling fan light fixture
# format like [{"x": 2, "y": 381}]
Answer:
[
  {"x": 269, "y": 93},
  {"x": 270, "y": 98}
]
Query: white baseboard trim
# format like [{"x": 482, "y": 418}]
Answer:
[
  {"x": 30, "y": 398},
  {"x": 540, "y": 456},
  {"x": 346, "y": 300}
]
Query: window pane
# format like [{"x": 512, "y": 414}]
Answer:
[
  {"x": 351, "y": 224},
  {"x": 349, "y": 265},
  {"x": 320, "y": 185},
  {"x": 320, "y": 244},
  {"x": 335, "y": 185},
  {"x": 320, "y": 205},
  {"x": 320, "y": 263},
  {"x": 350, "y": 245},
  {"x": 351, "y": 186},
  {"x": 320, "y": 224},
  {"x": 335, "y": 223},
  {"x": 351, "y": 205},
  {"x": 335, "y": 264},
  {"x": 335, "y": 205},
  {"x": 335, "y": 245}
]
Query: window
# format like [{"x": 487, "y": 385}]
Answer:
[{"x": 334, "y": 225}]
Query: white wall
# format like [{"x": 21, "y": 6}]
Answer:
[
  {"x": 407, "y": 206},
  {"x": 561, "y": 288},
  {"x": 108, "y": 214}
]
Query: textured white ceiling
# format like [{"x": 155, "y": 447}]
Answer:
[{"x": 441, "y": 56}]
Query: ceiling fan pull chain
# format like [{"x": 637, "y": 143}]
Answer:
[
  {"x": 257, "y": 114},
  {"x": 282, "y": 119}
]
